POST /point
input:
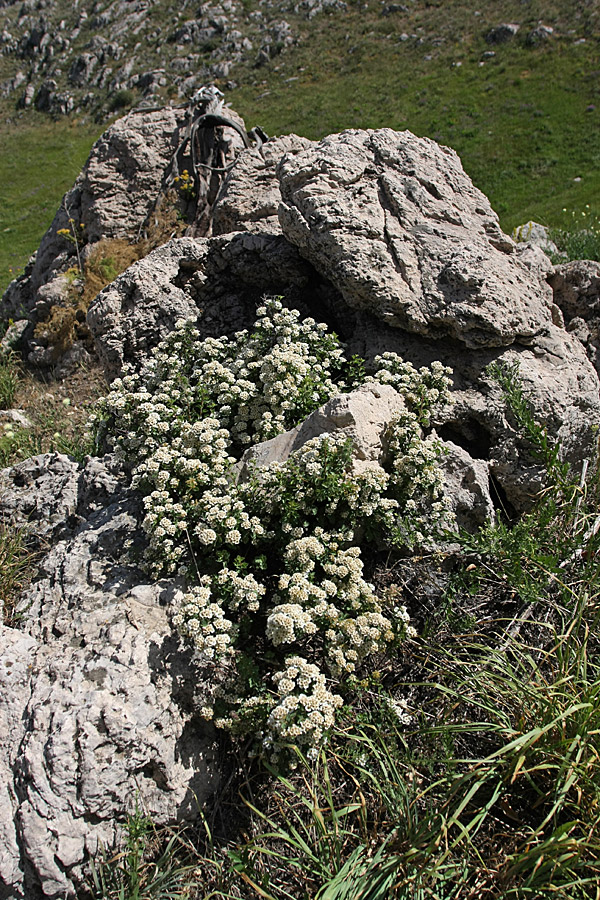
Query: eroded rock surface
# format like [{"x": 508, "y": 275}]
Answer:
[
  {"x": 382, "y": 236},
  {"x": 97, "y": 698},
  {"x": 397, "y": 226},
  {"x": 220, "y": 280},
  {"x": 250, "y": 197},
  {"x": 576, "y": 287},
  {"x": 126, "y": 187}
]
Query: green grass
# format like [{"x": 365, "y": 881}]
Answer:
[{"x": 39, "y": 161}]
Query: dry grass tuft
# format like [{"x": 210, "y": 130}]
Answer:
[{"x": 66, "y": 323}]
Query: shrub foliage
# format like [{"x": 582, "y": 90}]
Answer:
[{"x": 277, "y": 604}]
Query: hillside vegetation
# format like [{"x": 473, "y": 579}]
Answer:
[{"x": 524, "y": 120}]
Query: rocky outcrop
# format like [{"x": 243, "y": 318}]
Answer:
[
  {"x": 382, "y": 236},
  {"x": 220, "y": 279},
  {"x": 97, "y": 698},
  {"x": 502, "y": 34},
  {"x": 86, "y": 57},
  {"x": 385, "y": 238},
  {"x": 399, "y": 228},
  {"x": 250, "y": 197}
]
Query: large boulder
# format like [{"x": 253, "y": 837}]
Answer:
[
  {"x": 221, "y": 280},
  {"x": 97, "y": 699},
  {"x": 382, "y": 236},
  {"x": 399, "y": 228}
]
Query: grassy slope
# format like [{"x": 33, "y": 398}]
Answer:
[
  {"x": 39, "y": 161},
  {"x": 518, "y": 121}
]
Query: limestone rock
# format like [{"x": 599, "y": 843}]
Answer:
[
  {"x": 502, "y": 34},
  {"x": 219, "y": 280},
  {"x": 51, "y": 494},
  {"x": 397, "y": 226},
  {"x": 539, "y": 34},
  {"x": 13, "y": 335},
  {"x": 112, "y": 196},
  {"x": 15, "y": 417},
  {"x": 534, "y": 233},
  {"x": 98, "y": 704},
  {"x": 576, "y": 287},
  {"x": 363, "y": 416},
  {"x": 123, "y": 182},
  {"x": 250, "y": 196},
  {"x": 467, "y": 486}
]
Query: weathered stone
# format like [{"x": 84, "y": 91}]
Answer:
[
  {"x": 13, "y": 335},
  {"x": 539, "y": 34},
  {"x": 362, "y": 416},
  {"x": 467, "y": 487},
  {"x": 16, "y": 417},
  {"x": 51, "y": 494},
  {"x": 397, "y": 226},
  {"x": 576, "y": 288},
  {"x": 501, "y": 34},
  {"x": 225, "y": 277},
  {"x": 119, "y": 187},
  {"x": 534, "y": 233},
  {"x": 95, "y": 669},
  {"x": 219, "y": 280},
  {"x": 250, "y": 196}
]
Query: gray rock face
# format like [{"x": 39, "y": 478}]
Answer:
[
  {"x": 250, "y": 197},
  {"x": 401, "y": 252},
  {"x": 112, "y": 197},
  {"x": 396, "y": 225},
  {"x": 533, "y": 233},
  {"x": 363, "y": 416},
  {"x": 97, "y": 696},
  {"x": 219, "y": 279},
  {"x": 50, "y": 495},
  {"x": 576, "y": 288},
  {"x": 502, "y": 34}
]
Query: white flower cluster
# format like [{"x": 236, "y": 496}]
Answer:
[
  {"x": 399, "y": 710},
  {"x": 423, "y": 388},
  {"x": 304, "y": 710},
  {"x": 417, "y": 483},
  {"x": 203, "y": 621},
  {"x": 281, "y": 596},
  {"x": 322, "y": 591}
]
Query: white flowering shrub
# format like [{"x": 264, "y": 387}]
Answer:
[{"x": 278, "y": 604}]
